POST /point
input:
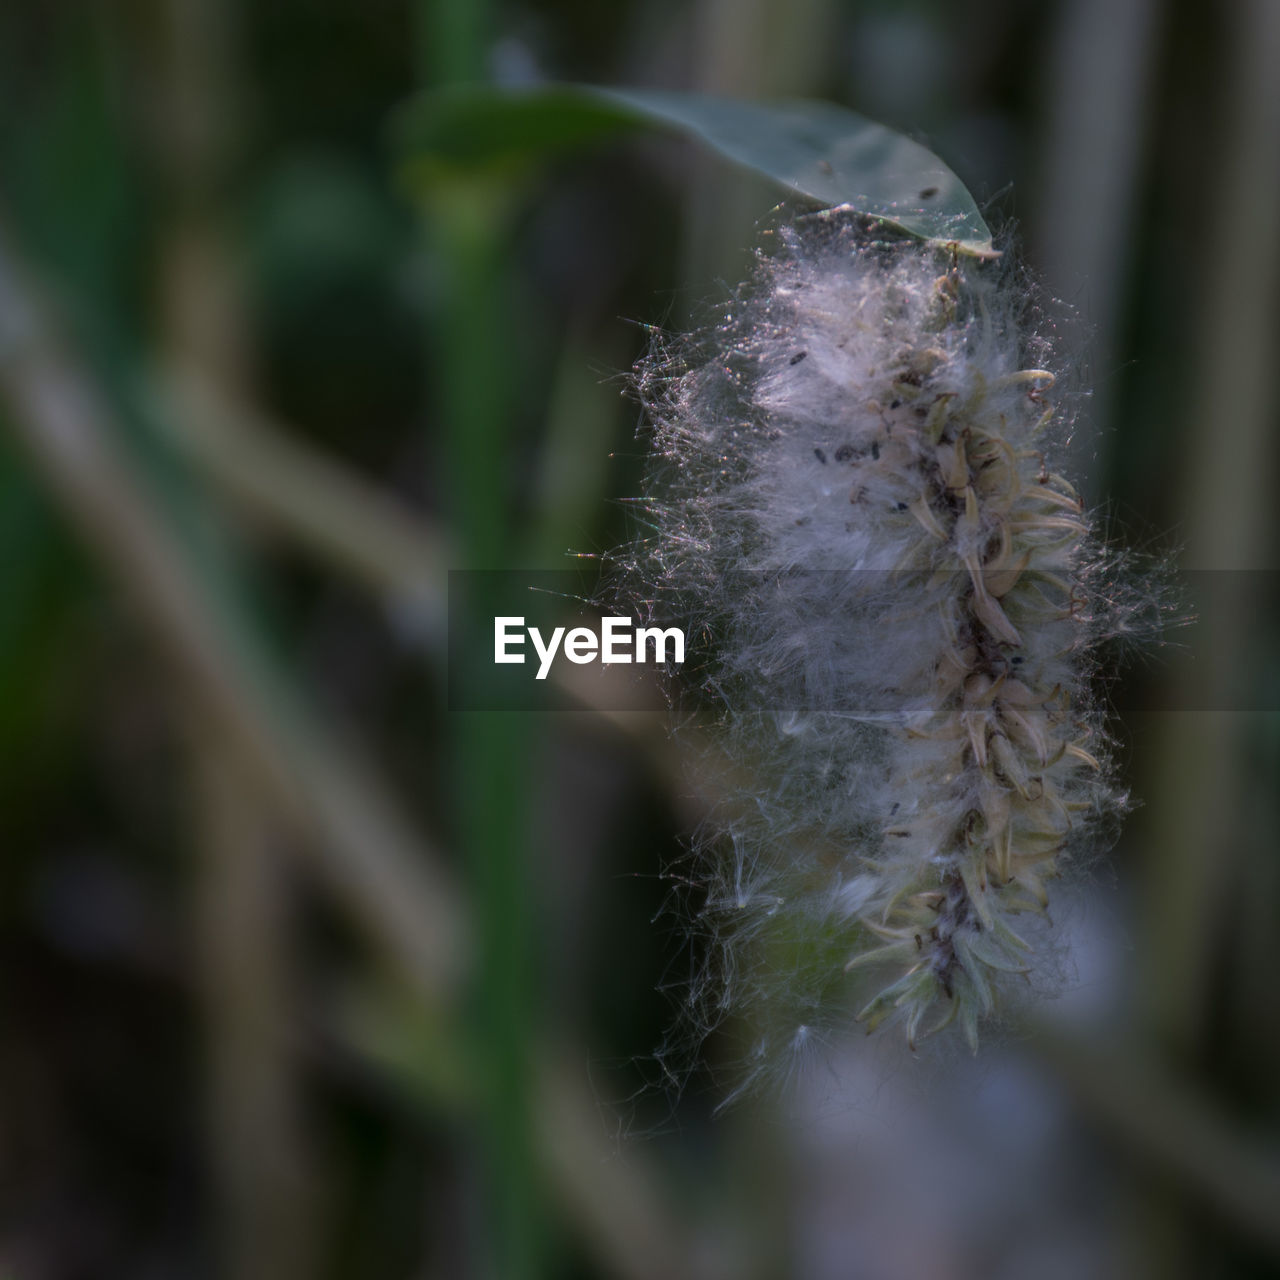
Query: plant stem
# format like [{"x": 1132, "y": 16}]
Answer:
[{"x": 464, "y": 222}]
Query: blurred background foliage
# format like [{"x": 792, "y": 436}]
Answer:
[{"x": 302, "y": 975}]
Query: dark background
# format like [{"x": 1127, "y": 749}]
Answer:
[{"x": 301, "y": 976}]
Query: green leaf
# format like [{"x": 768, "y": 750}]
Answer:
[
  {"x": 831, "y": 155},
  {"x": 817, "y": 150}
]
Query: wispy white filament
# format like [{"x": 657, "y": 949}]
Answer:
[{"x": 855, "y": 501}]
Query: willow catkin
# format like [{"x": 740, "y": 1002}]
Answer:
[{"x": 854, "y": 499}]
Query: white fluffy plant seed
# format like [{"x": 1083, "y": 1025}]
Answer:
[{"x": 854, "y": 498}]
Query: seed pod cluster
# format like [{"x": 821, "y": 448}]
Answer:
[{"x": 855, "y": 499}]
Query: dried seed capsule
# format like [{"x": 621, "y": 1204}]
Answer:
[{"x": 876, "y": 541}]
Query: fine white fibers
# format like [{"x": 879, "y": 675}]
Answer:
[{"x": 854, "y": 500}]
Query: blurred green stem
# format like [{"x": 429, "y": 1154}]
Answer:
[
  {"x": 1200, "y": 865},
  {"x": 1096, "y": 95},
  {"x": 472, "y": 357},
  {"x": 1197, "y": 845},
  {"x": 492, "y": 758},
  {"x": 745, "y": 49},
  {"x": 261, "y": 1162},
  {"x": 261, "y": 1165},
  {"x": 452, "y": 38}
]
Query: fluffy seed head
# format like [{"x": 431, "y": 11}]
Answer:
[{"x": 855, "y": 499}]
